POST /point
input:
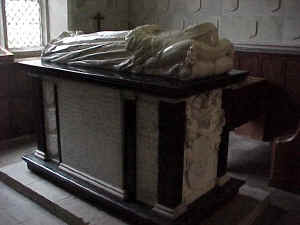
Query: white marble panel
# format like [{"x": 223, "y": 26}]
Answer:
[
  {"x": 48, "y": 93},
  {"x": 52, "y": 146},
  {"x": 91, "y": 130},
  {"x": 205, "y": 121},
  {"x": 50, "y": 119}
]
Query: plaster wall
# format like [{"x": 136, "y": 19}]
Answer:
[
  {"x": 58, "y": 17},
  {"x": 241, "y": 21},
  {"x": 81, "y": 14},
  {"x": 272, "y": 22}
]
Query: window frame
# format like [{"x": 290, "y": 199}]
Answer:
[{"x": 26, "y": 52}]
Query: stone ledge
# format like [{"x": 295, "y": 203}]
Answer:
[
  {"x": 244, "y": 209},
  {"x": 62, "y": 204}
]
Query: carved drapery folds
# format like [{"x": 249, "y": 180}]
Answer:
[{"x": 191, "y": 53}]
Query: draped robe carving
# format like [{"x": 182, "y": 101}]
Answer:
[{"x": 194, "y": 52}]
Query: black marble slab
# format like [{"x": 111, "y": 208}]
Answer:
[{"x": 155, "y": 85}]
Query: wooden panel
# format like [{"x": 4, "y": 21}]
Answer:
[
  {"x": 21, "y": 116},
  {"x": 250, "y": 62},
  {"x": 286, "y": 166},
  {"x": 237, "y": 60},
  {"x": 16, "y": 102},
  {"x": 19, "y": 83},
  {"x": 293, "y": 80},
  {"x": 254, "y": 129},
  {"x": 293, "y": 67},
  {"x": 4, "y": 119},
  {"x": 3, "y": 81},
  {"x": 283, "y": 71},
  {"x": 272, "y": 69}
]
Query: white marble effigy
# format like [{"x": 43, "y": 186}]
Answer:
[{"x": 192, "y": 53}]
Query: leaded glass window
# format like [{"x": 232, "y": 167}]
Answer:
[{"x": 23, "y": 23}]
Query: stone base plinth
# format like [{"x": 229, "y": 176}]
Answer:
[
  {"x": 248, "y": 207},
  {"x": 132, "y": 211}
]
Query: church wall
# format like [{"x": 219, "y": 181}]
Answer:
[
  {"x": 82, "y": 12},
  {"x": 242, "y": 21},
  {"x": 58, "y": 17}
]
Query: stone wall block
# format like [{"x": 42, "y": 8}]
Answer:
[
  {"x": 238, "y": 28},
  {"x": 243, "y": 7},
  {"x": 291, "y": 30},
  {"x": 291, "y": 8},
  {"x": 269, "y": 29}
]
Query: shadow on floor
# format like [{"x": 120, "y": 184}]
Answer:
[{"x": 13, "y": 150}]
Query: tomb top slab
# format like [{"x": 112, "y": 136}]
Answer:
[{"x": 154, "y": 85}]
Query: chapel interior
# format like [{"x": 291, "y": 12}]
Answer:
[{"x": 261, "y": 143}]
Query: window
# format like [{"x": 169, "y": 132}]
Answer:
[{"x": 23, "y": 24}]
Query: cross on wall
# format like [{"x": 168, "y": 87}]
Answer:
[{"x": 99, "y": 19}]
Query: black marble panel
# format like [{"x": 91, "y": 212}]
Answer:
[{"x": 156, "y": 85}]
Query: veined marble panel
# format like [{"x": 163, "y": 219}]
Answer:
[
  {"x": 50, "y": 120},
  {"x": 147, "y": 149},
  {"x": 205, "y": 122},
  {"x": 91, "y": 130}
]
